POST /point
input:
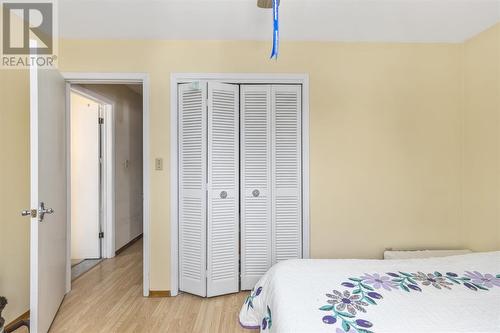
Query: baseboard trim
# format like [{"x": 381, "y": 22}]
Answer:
[
  {"x": 15, "y": 323},
  {"x": 159, "y": 293},
  {"x": 129, "y": 244}
]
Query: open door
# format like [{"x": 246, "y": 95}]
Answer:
[
  {"x": 85, "y": 177},
  {"x": 48, "y": 197}
]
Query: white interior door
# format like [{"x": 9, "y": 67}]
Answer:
[
  {"x": 192, "y": 188},
  {"x": 48, "y": 185},
  {"x": 84, "y": 178},
  {"x": 223, "y": 189},
  {"x": 256, "y": 231}
]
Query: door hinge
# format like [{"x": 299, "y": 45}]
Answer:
[
  {"x": 101, "y": 234},
  {"x": 101, "y": 120}
]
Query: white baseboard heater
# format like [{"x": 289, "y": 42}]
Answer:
[{"x": 390, "y": 254}]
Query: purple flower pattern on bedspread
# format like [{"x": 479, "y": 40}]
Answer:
[
  {"x": 486, "y": 280},
  {"x": 254, "y": 293},
  {"x": 344, "y": 306},
  {"x": 267, "y": 321},
  {"x": 378, "y": 281}
]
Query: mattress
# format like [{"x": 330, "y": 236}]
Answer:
[{"x": 451, "y": 294}]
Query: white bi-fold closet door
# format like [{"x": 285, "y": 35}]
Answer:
[
  {"x": 271, "y": 178},
  {"x": 233, "y": 146},
  {"x": 209, "y": 188}
]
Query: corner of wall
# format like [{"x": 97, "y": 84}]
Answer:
[
  {"x": 480, "y": 183},
  {"x": 462, "y": 143}
]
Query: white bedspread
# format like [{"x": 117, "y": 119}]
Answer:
[{"x": 452, "y": 294}]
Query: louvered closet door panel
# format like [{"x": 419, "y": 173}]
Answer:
[
  {"x": 192, "y": 188},
  {"x": 255, "y": 183},
  {"x": 223, "y": 185},
  {"x": 287, "y": 174}
]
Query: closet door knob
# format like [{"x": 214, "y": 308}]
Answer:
[
  {"x": 255, "y": 193},
  {"x": 223, "y": 195}
]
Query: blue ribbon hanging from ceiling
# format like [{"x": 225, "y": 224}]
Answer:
[{"x": 276, "y": 30}]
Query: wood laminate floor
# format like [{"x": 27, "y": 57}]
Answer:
[
  {"x": 82, "y": 267},
  {"x": 108, "y": 298}
]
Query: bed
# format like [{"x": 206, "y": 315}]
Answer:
[{"x": 452, "y": 294}]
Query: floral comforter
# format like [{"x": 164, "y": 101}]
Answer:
[{"x": 452, "y": 294}]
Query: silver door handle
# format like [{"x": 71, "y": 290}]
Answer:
[
  {"x": 42, "y": 211},
  {"x": 255, "y": 193}
]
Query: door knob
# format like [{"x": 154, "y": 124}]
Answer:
[
  {"x": 255, "y": 193},
  {"x": 30, "y": 212},
  {"x": 42, "y": 211}
]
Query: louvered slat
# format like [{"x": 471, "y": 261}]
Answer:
[
  {"x": 192, "y": 188},
  {"x": 287, "y": 172},
  {"x": 223, "y": 181},
  {"x": 255, "y": 183}
]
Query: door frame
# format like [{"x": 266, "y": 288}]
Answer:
[
  {"x": 235, "y": 78},
  {"x": 117, "y": 78}
]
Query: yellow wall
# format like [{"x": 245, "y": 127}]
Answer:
[
  {"x": 482, "y": 141},
  {"x": 385, "y": 135},
  {"x": 14, "y": 191},
  {"x": 386, "y": 138}
]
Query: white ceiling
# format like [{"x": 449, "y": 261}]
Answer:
[{"x": 316, "y": 20}]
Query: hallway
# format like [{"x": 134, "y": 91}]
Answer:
[{"x": 109, "y": 298}]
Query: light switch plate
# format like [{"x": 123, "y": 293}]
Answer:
[{"x": 158, "y": 164}]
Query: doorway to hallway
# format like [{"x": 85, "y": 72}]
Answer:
[{"x": 106, "y": 171}]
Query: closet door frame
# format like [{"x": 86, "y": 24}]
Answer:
[{"x": 270, "y": 79}]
